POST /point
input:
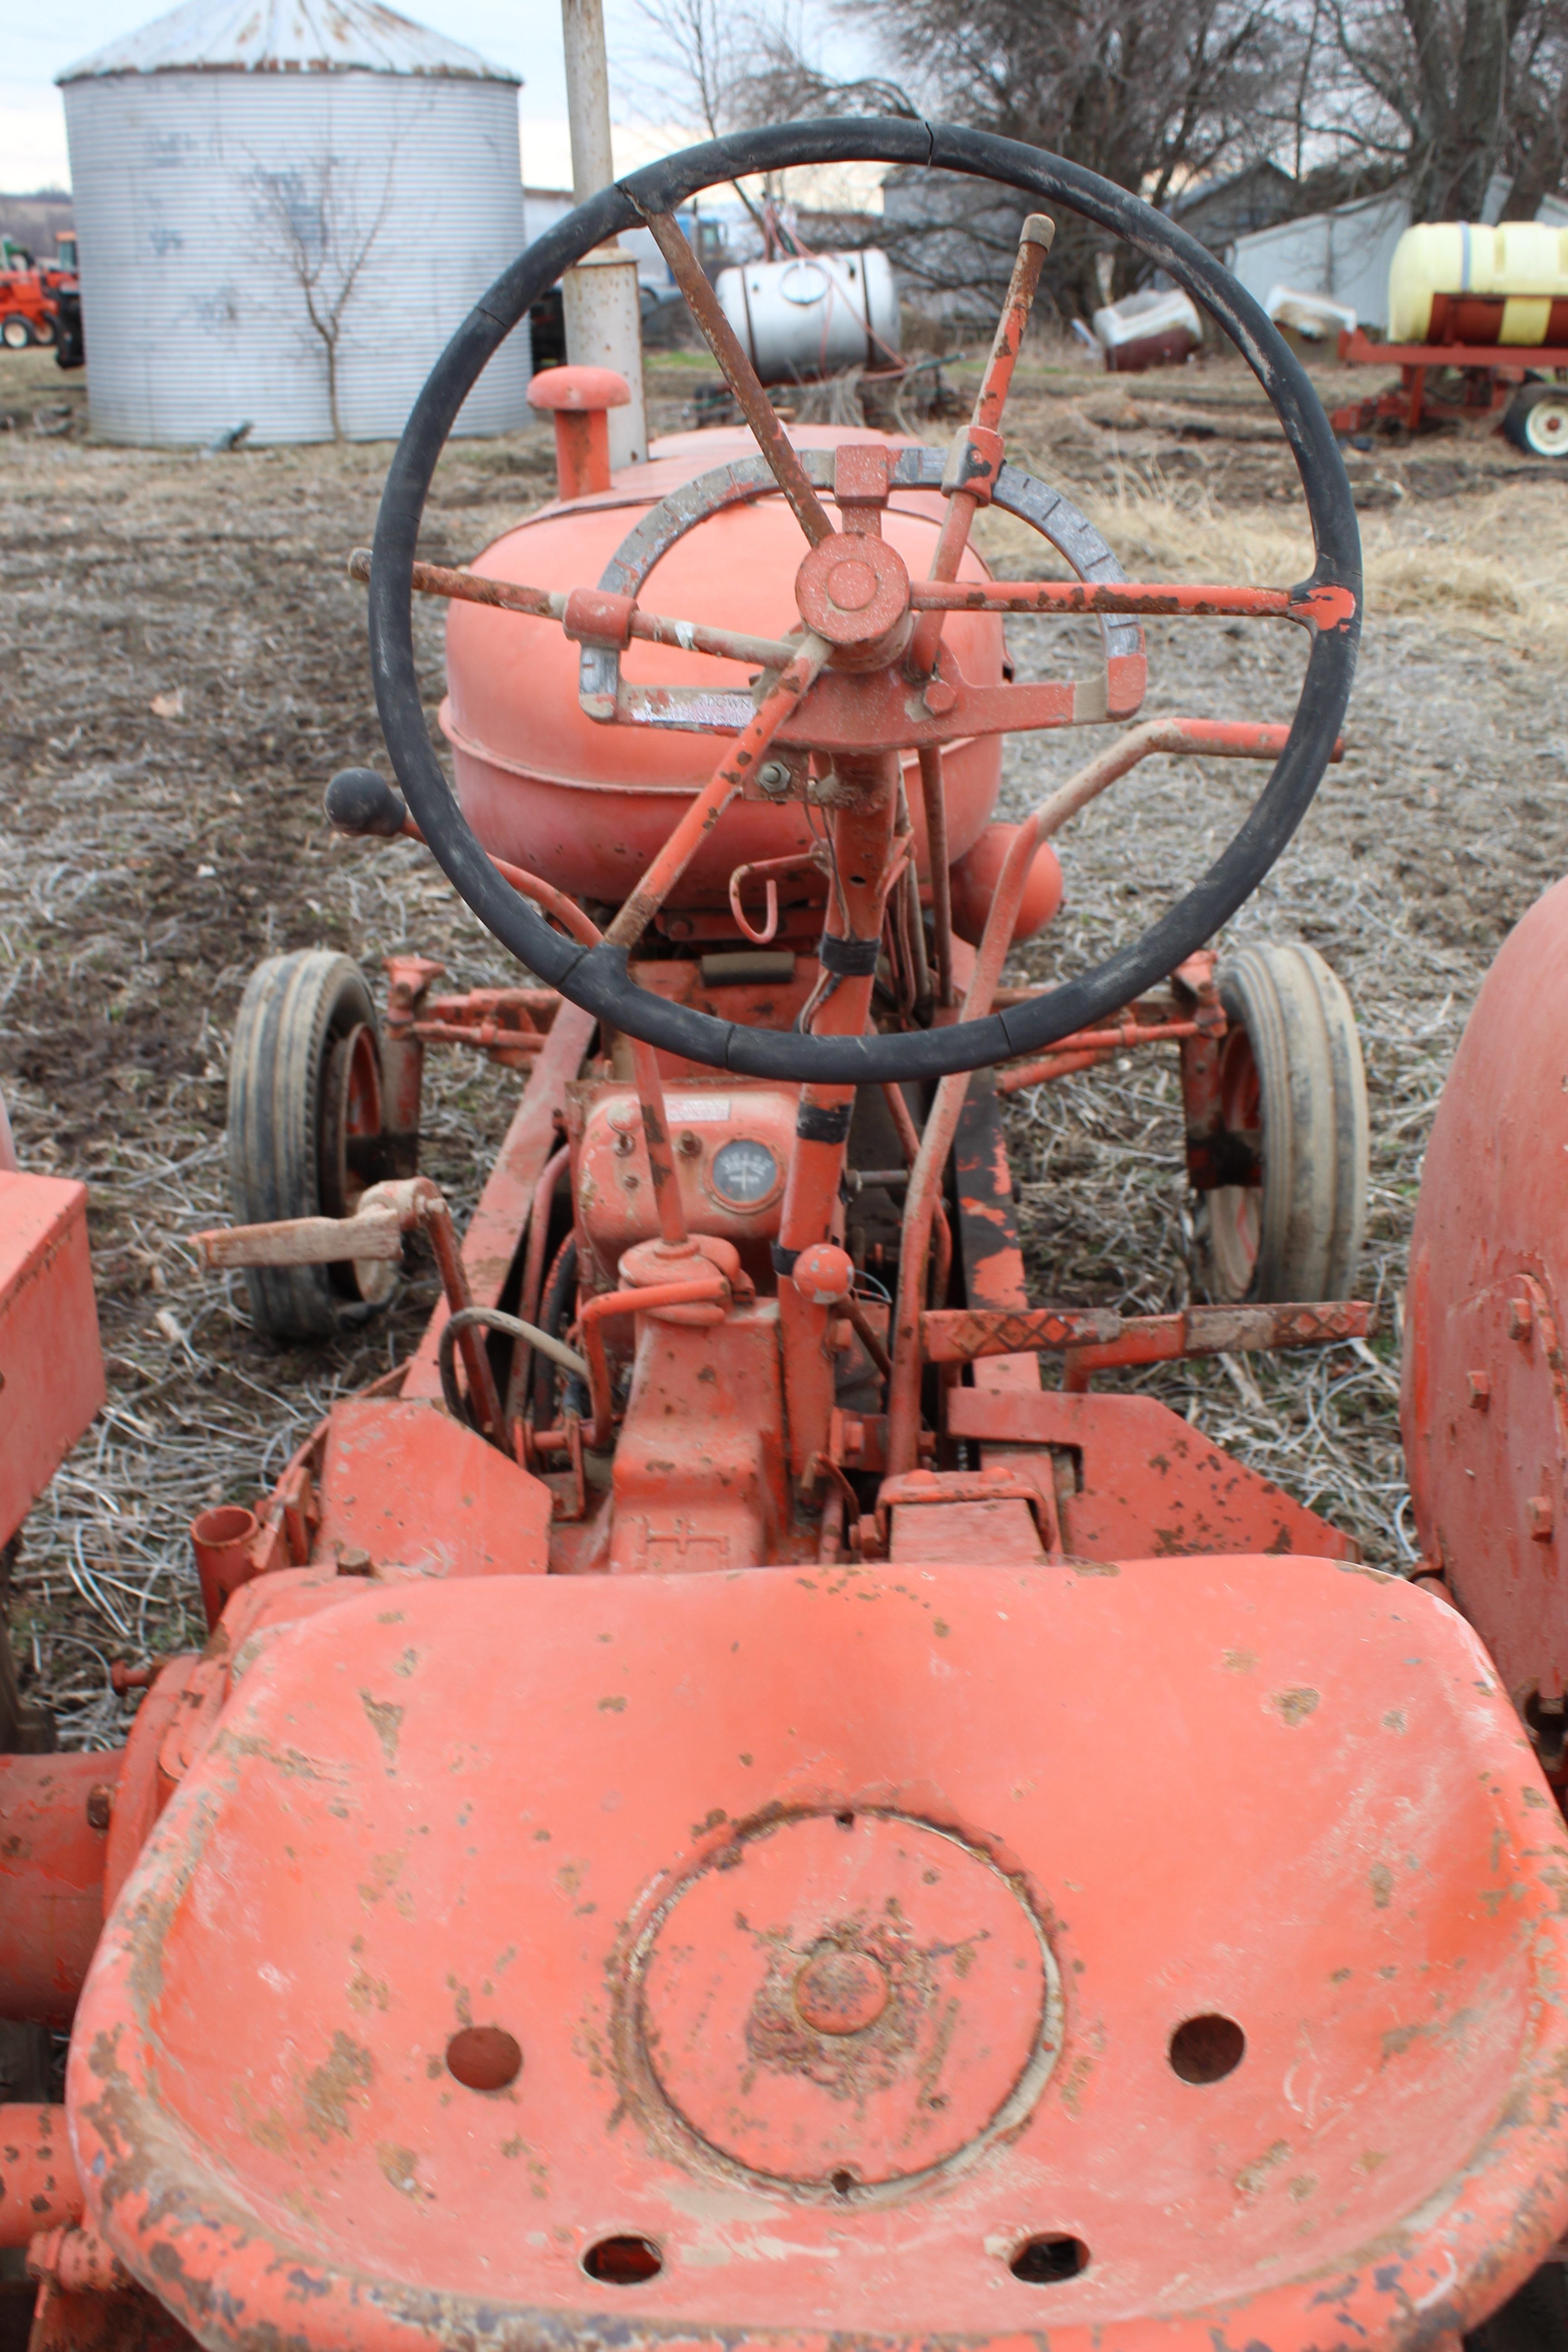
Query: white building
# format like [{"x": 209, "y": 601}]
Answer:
[
  {"x": 285, "y": 206},
  {"x": 1345, "y": 253}
]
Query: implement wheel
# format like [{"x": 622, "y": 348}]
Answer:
[
  {"x": 305, "y": 1130},
  {"x": 1537, "y": 420},
  {"x": 1293, "y": 1093}
]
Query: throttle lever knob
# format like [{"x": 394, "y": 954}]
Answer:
[{"x": 358, "y": 802}]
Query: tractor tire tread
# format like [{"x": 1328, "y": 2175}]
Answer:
[
  {"x": 1316, "y": 1137},
  {"x": 292, "y": 1005}
]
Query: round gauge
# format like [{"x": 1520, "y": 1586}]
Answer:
[{"x": 743, "y": 1173}]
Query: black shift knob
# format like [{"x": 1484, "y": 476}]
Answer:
[{"x": 358, "y": 801}]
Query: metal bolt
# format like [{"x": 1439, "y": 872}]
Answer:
[
  {"x": 352, "y": 1561},
  {"x": 687, "y": 1143},
  {"x": 1520, "y": 1316},
  {"x": 1480, "y": 1391},
  {"x": 1539, "y": 1509},
  {"x": 100, "y": 1805},
  {"x": 626, "y": 1144},
  {"x": 773, "y": 777},
  {"x": 841, "y": 1991}
]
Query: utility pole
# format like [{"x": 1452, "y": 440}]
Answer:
[{"x": 603, "y": 310}]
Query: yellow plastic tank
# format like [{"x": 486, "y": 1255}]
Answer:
[{"x": 1457, "y": 282}]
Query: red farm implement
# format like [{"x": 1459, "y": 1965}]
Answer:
[{"x": 1513, "y": 390}]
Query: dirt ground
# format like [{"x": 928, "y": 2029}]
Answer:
[{"x": 186, "y": 666}]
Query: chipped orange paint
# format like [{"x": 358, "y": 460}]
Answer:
[{"x": 626, "y": 1849}]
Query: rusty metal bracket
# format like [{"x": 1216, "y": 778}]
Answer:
[
  {"x": 934, "y": 1488},
  {"x": 1097, "y": 1339}
]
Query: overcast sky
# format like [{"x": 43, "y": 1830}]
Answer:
[{"x": 522, "y": 33}]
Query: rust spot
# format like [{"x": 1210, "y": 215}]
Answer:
[
  {"x": 387, "y": 1721},
  {"x": 1381, "y": 1879},
  {"x": 1254, "y": 2177},
  {"x": 1076, "y": 2082},
  {"x": 398, "y": 2164},
  {"x": 367, "y": 1992},
  {"x": 853, "y": 2064},
  {"x": 385, "y": 1869},
  {"x": 268, "y": 2130},
  {"x": 329, "y": 2087},
  {"x": 1294, "y": 1707}
]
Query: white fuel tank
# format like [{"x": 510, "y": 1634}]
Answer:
[
  {"x": 1458, "y": 282},
  {"x": 814, "y": 315}
]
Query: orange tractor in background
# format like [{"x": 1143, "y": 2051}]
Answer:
[
  {"x": 739, "y": 1798},
  {"x": 40, "y": 302}
]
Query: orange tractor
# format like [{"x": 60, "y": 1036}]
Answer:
[
  {"x": 40, "y": 302},
  {"x": 740, "y": 1799}
]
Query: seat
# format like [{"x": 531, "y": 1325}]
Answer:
[{"x": 1166, "y": 1953}]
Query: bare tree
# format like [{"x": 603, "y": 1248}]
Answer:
[
  {"x": 310, "y": 215},
  {"x": 733, "y": 69},
  {"x": 1433, "y": 97},
  {"x": 1349, "y": 97},
  {"x": 1150, "y": 93}
]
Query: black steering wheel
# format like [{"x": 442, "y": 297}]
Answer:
[{"x": 597, "y": 978}]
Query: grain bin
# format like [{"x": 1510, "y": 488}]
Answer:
[{"x": 285, "y": 207}]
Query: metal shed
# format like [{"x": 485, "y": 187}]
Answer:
[{"x": 278, "y": 201}]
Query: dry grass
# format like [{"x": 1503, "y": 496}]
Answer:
[
  {"x": 1498, "y": 562},
  {"x": 147, "y": 861}
]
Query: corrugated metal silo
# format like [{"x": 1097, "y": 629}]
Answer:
[{"x": 239, "y": 163}]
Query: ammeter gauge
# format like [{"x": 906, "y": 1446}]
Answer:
[{"x": 743, "y": 1171}]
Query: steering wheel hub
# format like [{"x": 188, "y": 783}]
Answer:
[{"x": 854, "y": 589}]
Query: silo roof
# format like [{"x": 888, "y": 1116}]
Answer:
[{"x": 286, "y": 36}]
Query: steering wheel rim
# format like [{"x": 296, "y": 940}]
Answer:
[{"x": 598, "y": 978}]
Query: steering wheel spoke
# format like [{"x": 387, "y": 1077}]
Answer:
[
  {"x": 1308, "y": 604},
  {"x": 735, "y": 771},
  {"x": 591, "y": 616},
  {"x": 742, "y": 377},
  {"x": 974, "y": 461}
]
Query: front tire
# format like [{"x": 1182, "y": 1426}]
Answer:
[
  {"x": 1293, "y": 1090},
  {"x": 305, "y": 1130},
  {"x": 16, "y": 333}
]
